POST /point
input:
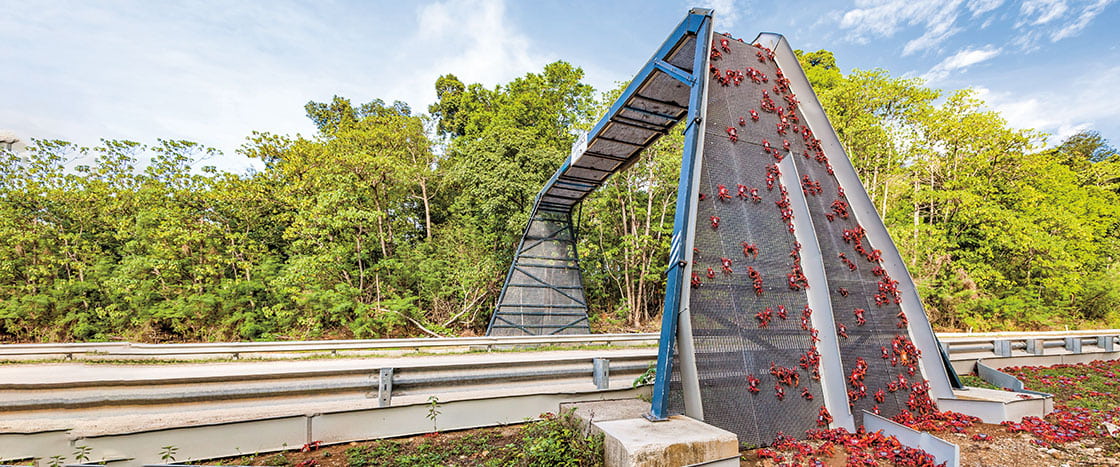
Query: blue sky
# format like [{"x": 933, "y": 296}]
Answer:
[{"x": 214, "y": 71}]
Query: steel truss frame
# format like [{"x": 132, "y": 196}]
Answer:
[{"x": 665, "y": 91}]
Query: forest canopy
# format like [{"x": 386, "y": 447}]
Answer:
[{"x": 390, "y": 223}]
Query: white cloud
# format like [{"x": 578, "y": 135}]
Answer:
[
  {"x": 1085, "y": 16},
  {"x": 472, "y": 39},
  {"x": 1087, "y": 102},
  {"x": 1037, "y": 12},
  {"x": 937, "y": 20},
  {"x": 960, "y": 61},
  {"x": 727, "y": 13},
  {"x": 933, "y": 36},
  {"x": 885, "y": 18},
  {"x": 214, "y": 72},
  {"x": 1058, "y": 19},
  {"x": 979, "y": 7}
]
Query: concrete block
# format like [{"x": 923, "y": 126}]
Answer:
[
  {"x": 601, "y": 411},
  {"x": 675, "y": 442}
]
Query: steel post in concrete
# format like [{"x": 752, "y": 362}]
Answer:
[
  {"x": 601, "y": 373},
  {"x": 1035, "y": 347},
  {"x": 385, "y": 387},
  {"x": 1073, "y": 344},
  {"x": 1002, "y": 347}
]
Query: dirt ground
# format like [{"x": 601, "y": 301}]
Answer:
[{"x": 481, "y": 446}]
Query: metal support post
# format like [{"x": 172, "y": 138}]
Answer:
[
  {"x": 1002, "y": 347},
  {"x": 385, "y": 388},
  {"x": 1035, "y": 347},
  {"x": 1073, "y": 344},
  {"x": 601, "y": 373},
  {"x": 680, "y": 253}
]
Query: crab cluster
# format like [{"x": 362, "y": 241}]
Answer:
[{"x": 789, "y": 135}]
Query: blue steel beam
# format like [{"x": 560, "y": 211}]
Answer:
[
  {"x": 693, "y": 139},
  {"x": 571, "y": 184},
  {"x": 689, "y": 26}
]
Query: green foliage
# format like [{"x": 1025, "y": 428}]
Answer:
[
  {"x": 167, "y": 453},
  {"x": 388, "y": 224},
  {"x": 647, "y": 377},
  {"x": 278, "y": 460},
  {"x": 81, "y": 454},
  {"x": 977, "y": 382},
  {"x": 560, "y": 441},
  {"x": 433, "y": 412}
]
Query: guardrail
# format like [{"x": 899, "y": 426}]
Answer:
[
  {"x": 127, "y": 349},
  {"x": 495, "y": 382},
  {"x": 1000, "y": 344},
  {"x": 1005, "y": 345}
]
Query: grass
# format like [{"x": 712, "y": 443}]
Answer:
[
  {"x": 1093, "y": 385},
  {"x": 977, "y": 382},
  {"x": 555, "y": 440}
]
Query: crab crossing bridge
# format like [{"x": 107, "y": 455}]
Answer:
[{"x": 787, "y": 305}]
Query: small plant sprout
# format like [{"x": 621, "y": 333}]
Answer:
[
  {"x": 167, "y": 453},
  {"x": 81, "y": 454},
  {"x": 433, "y": 412}
]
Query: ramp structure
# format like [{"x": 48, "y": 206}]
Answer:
[
  {"x": 543, "y": 291},
  {"x": 787, "y": 306}
]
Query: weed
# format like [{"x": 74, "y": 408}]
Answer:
[
  {"x": 560, "y": 440},
  {"x": 278, "y": 460},
  {"x": 433, "y": 412},
  {"x": 168, "y": 453},
  {"x": 977, "y": 382},
  {"x": 81, "y": 454},
  {"x": 647, "y": 377}
]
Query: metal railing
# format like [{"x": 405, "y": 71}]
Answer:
[
  {"x": 1000, "y": 344},
  {"x": 128, "y": 349},
  {"x": 401, "y": 385}
]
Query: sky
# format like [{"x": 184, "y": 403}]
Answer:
[{"x": 216, "y": 71}]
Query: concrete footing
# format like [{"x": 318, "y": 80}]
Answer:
[
  {"x": 631, "y": 440},
  {"x": 996, "y": 406}
]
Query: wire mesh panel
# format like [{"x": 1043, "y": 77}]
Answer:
[
  {"x": 543, "y": 293},
  {"x": 754, "y": 344},
  {"x": 757, "y": 361}
]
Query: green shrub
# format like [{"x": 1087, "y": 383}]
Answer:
[{"x": 560, "y": 441}]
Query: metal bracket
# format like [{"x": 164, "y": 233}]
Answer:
[
  {"x": 385, "y": 388},
  {"x": 677, "y": 73},
  {"x": 601, "y": 373}
]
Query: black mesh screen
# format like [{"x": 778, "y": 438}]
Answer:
[
  {"x": 544, "y": 289},
  {"x": 737, "y": 207},
  {"x": 732, "y": 346}
]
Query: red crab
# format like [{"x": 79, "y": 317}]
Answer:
[
  {"x": 750, "y": 250},
  {"x": 764, "y": 317},
  {"x": 726, "y": 263},
  {"x": 823, "y": 417},
  {"x": 752, "y": 384},
  {"x": 722, "y": 193}
]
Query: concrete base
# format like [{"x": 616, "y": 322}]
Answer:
[
  {"x": 996, "y": 405},
  {"x": 631, "y": 440}
]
